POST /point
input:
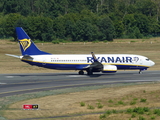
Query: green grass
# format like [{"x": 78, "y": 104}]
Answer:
[
  {"x": 132, "y": 41},
  {"x": 102, "y": 116},
  {"x": 132, "y": 102},
  {"x": 133, "y": 115},
  {"x": 99, "y": 105},
  {"x": 143, "y": 100},
  {"x": 138, "y": 113},
  {"x": 91, "y": 107},
  {"x": 153, "y": 117},
  {"x": 82, "y": 104},
  {"x": 135, "y": 112},
  {"x": 120, "y": 102},
  {"x": 110, "y": 101}
]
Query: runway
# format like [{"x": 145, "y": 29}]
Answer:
[{"x": 12, "y": 84}]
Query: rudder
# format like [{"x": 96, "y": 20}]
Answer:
[{"x": 27, "y": 46}]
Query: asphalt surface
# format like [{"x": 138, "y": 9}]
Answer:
[{"x": 12, "y": 84}]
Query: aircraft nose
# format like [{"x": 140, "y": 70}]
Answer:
[{"x": 152, "y": 63}]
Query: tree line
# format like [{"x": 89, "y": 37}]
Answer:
[{"x": 80, "y": 20}]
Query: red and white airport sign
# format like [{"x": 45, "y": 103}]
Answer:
[{"x": 30, "y": 106}]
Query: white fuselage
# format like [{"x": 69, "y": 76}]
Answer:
[{"x": 78, "y": 62}]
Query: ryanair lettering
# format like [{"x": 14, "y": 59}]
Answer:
[{"x": 113, "y": 59}]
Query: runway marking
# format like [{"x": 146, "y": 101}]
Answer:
[
  {"x": 141, "y": 80},
  {"x": 37, "y": 81},
  {"x": 54, "y": 87},
  {"x": 76, "y": 76},
  {"x": 153, "y": 73},
  {"x": 2, "y": 83},
  {"x": 9, "y": 76}
]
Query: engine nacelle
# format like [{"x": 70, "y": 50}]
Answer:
[{"x": 109, "y": 69}]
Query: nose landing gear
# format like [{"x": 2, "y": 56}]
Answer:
[{"x": 140, "y": 71}]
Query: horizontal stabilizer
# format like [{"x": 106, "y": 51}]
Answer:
[{"x": 16, "y": 56}]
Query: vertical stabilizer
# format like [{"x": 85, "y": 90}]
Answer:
[{"x": 26, "y": 44}]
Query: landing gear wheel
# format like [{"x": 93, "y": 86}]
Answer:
[
  {"x": 81, "y": 72},
  {"x": 140, "y": 71}
]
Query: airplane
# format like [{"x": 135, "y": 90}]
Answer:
[{"x": 105, "y": 63}]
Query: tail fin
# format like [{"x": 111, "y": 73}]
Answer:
[{"x": 26, "y": 44}]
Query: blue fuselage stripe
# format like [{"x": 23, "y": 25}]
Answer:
[{"x": 72, "y": 66}]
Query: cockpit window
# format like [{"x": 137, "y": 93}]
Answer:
[{"x": 147, "y": 59}]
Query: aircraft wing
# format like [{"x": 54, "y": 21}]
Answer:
[{"x": 96, "y": 66}]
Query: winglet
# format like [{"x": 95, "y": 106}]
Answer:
[{"x": 94, "y": 57}]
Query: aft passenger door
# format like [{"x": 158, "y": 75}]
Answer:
[{"x": 44, "y": 61}]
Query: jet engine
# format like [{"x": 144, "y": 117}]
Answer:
[{"x": 109, "y": 69}]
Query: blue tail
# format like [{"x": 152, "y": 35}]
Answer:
[{"x": 26, "y": 44}]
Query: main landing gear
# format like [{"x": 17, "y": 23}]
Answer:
[
  {"x": 81, "y": 72},
  {"x": 89, "y": 72}
]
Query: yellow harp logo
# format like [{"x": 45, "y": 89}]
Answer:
[{"x": 25, "y": 43}]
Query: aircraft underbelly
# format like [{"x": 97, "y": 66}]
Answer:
[
  {"x": 122, "y": 67},
  {"x": 64, "y": 66},
  {"x": 57, "y": 65}
]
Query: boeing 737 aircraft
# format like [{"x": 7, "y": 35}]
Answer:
[{"x": 105, "y": 63}]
